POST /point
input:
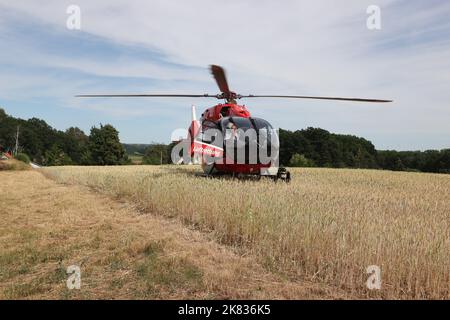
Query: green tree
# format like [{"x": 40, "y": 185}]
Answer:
[
  {"x": 76, "y": 144},
  {"x": 55, "y": 156},
  {"x": 7, "y": 130},
  {"x": 105, "y": 147}
]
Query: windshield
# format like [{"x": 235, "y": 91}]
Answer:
[
  {"x": 254, "y": 135},
  {"x": 236, "y": 123}
]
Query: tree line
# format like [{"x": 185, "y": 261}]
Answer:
[
  {"x": 311, "y": 147},
  {"x": 315, "y": 147},
  {"x": 50, "y": 147},
  {"x": 318, "y": 147}
]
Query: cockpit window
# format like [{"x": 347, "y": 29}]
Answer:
[
  {"x": 245, "y": 123},
  {"x": 242, "y": 123},
  {"x": 254, "y": 135},
  {"x": 236, "y": 123}
]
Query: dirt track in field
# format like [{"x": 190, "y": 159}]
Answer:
[{"x": 46, "y": 227}]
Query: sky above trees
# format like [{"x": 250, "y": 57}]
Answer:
[{"x": 267, "y": 47}]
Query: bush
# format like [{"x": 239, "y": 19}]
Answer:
[
  {"x": 299, "y": 160},
  {"x": 157, "y": 154},
  {"x": 23, "y": 157},
  {"x": 13, "y": 164}
]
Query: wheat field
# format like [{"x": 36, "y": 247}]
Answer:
[{"x": 326, "y": 226}]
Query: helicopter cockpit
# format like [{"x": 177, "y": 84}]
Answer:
[
  {"x": 240, "y": 129},
  {"x": 235, "y": 126},
  {"x": 249, "y": 134}
]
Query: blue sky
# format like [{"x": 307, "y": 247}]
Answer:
[{"x": 321, "y": 48}]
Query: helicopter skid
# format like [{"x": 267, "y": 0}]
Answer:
[{"x": 280, "y": 174}]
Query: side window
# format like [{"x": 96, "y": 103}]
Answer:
[
  {"x": 209, "y": 136},
  {"x": 261, "y": 124},
  {"x": 266, "y": 133}
]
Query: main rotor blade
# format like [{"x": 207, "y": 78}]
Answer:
[
  {"x": 313, "y": 97},
  {"x": 145, "y": 95},
  {"x": 221, "y": 79}
]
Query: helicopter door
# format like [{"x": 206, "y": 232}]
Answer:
[{"x": 209, "y": 145}]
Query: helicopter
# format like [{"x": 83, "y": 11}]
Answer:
[{"x": 227, "y": 139}]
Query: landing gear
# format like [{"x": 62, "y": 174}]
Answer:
[
  {"x": 272, "y": 173},
  {"x": 283, "y": 175}
]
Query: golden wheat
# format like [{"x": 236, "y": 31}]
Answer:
[{"x": 328, "y": 225}]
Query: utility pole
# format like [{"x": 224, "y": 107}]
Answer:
[
  {"x": 161, "y": 157},
  {"x": 16, "y": 149}
]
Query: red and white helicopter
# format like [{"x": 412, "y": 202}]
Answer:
[{"x": 227, "y": 121}]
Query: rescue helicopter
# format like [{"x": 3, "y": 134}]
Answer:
[{"x": 221, "y": 139}]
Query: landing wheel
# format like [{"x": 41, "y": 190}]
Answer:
[{"x": 283, "y": 175}]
